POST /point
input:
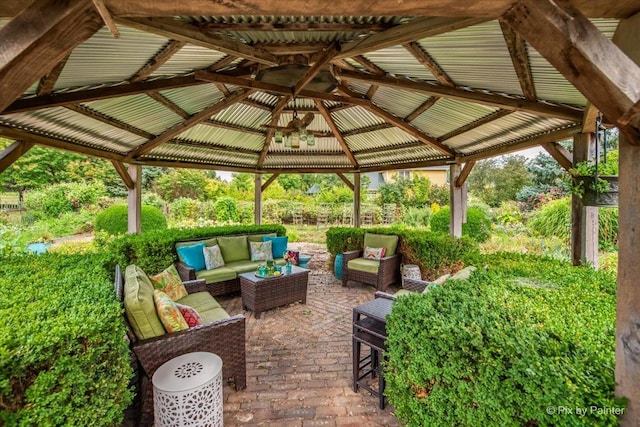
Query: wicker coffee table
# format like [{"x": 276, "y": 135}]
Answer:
[{"x": 260, "y": 294}]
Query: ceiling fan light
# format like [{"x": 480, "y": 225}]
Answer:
[
  {"x": 295, "y": 139},
  {"x": 303, "y": 133},
  {"x": 287, "y": 141},
  {"x": 278, "y": 137},
  {"x": 311, "y": 139}
]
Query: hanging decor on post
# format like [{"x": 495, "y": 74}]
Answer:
[
  {"x": 596, "y": 181},
  {"x": 296, "y": 131}
]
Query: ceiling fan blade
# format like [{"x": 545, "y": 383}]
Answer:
[{"x": 307, "y": 119}]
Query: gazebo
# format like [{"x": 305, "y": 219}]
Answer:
[{"x": 344, "y": 87}]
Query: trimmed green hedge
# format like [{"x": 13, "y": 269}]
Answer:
[
  {"x": 514, "y": 346},
  {"x": 64, "y": 358},
  {"x": 155, "y": 251},
  {"x": 114, "y": 219},
  {"x": 435, "y": 253}
]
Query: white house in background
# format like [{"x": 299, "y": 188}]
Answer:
[{"x": 437, "y": 175}]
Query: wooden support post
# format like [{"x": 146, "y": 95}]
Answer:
[
  {"x": 584, "y": 219},
  {"x": 134, "y": 200},
  {"x": 627, "y": 38},
  {"x": 458, "y": 196},
  {"x": 257, "y": 199},
  {"x": 13, "y": 153},
  {"x": 356, "y": 200}
]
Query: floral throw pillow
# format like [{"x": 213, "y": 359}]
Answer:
[
  {"x": 190, "y": 314},
  {"x": 170, "y": 283},
  {"x": 261, "y": 251},
  {"x": 212, "y": 257},
  {"x": 373, "y": 253},
  {"x": 168, "y": 313}
]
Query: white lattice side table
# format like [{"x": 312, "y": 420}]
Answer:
[{"x": 187, "y": 391}]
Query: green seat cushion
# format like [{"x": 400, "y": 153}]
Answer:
[
  {"x": 365, "y": 265},
  {"x": 213, "y": 315},
  {"x": 234, "y": 248},
  {"x": 389, "y": 242},
  {"x": 258, "y": 237},
  {"x": 279, "y": 261},
  {"x": 216, "y": 275},
  {"x": 207, "y": 242},
  {"x": 244, "y": 266},
  {"x": 206, "y": 306},
  {"x": 139, "y": 305}
]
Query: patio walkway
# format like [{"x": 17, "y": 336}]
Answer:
[{"x": 299, "y": 360}]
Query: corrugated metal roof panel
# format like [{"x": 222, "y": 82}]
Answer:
[
  {"x": 62, "y": 123},
  {"x": 189, "y": 58},
  {"x": 194, "y": 99},
  {"x": 244, "y": 115},
  {"x": 322, "y": 145},
  {"x": 103, "y": 59},
  {"x": 173, "y": 152},
  {"x": 475, "y": 56},
  {"x": 400, "y": 103},
  {"x": 219, "y": 136},
  {"x": 318, "y": 124},
  {"x": 381, "y": 138},
  {"x": 408, "y": 155},
  {"x": 396, "y": 60},
  {"x": 514, "y": 127},
  {"x": 355, "y": 118},
  {"x": 264, "y": 98},
  {"x": 292, "y": 161},
  {"x": 447, "y": 115},
  {"x": 139, "y": 111}
]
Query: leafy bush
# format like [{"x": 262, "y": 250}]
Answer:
[
  {"x": 227, "y": 210},
  {"x": 477, "y": 227},
  {"x": 154, "y": 251},
  {"x": 416, "y": 217},
  {"x": 113, "y": 220},
  {"x": 184, "y": 208},
  {"x": 61, "y": 198},
  {"x": 500, "y": 349},
  {"x": 64, "y": 357}
]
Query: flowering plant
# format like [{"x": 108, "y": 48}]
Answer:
[{"x": 290, "y": 257}]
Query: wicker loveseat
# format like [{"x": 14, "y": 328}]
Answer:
[
  {"x": 220, "y": 333},
  {"x": 383, "y": 272},
  {"x": 237, "y": 260}
]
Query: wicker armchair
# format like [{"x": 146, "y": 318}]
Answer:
[
  {"x": 226, "y": 338},
  {"x": 386, "y": 273}
]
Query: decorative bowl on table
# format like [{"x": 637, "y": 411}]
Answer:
[{"x": 303, "y": 259}]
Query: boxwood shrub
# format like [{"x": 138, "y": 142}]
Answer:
[
  {"x": 155, "y": 251},
  {"x": 518, "y": 344},
  {"x": 114, "y": 219},
  {"x": 64, "y": 359},
  {"x": 477, "y": 227}
]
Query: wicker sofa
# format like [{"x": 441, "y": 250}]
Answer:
[
  {"x": 381, "y": 273},
  {"x": 237, "y": 260},
  {"x": 220, "y": 333}
]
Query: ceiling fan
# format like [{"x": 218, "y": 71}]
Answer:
[{"x": 295, "y": 131}]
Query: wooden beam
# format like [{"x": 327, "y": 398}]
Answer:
[
  {"x": 369, "y": 66},
  {"x": 414, "y": 144},
  {"x": 320, "y": 63},
  {"x": 520, "y": 59},
  {"x": 158, "y": 97},
  {"x": 257, "y": 199},
  {"x": 295, "y": 26},
  {"x": 336, "y": 132},
  {"x": 583, "y": 55},
  {"x": 124, "y": 174},
  {"x": 90, "y": 112},
  {"x": 174, "y": 29},
  {"x": 555, "y": 136},
  {"x": 220, "y": 64},
  {"x": 209, "y": 146},
  {"x": 275, "y": 116},
  {"x": 345, "y": 180},
  {"x": 430, "y": 64},
  {"x": 158, "y": 60},
  {"x": 476, "y": 123},
  {"x": 134, "y": 200},
  {"x": 48, "y": 81},
  {"x": 563, "y": 156},
  {"x": 584, "y": 219},
  {"x": 418, "y": 28},
  {"x": 589, "y": 118},
  {"x": 464, "y": 173},
  {"x": 106, "y": 17},
  {"x": 508, "y": 103},
  {"x": 430, "y": 102},
  {"x": 457, "y": 200},
  {"x": 13, "y": 153},
  {"x": 269, "y": 181},
  {"x": 36, "y": 40},
  {"x": 356, "y": 199},
  {"x": 88, "y": 95},
  {"x": 191, "y": 121}
]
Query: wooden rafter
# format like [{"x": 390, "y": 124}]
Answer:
[
  {"x": 275, "y": 116},
  {"x": 430, "y": 102},
  {"x": 174, "y": 29},
  {"x": 13, "y": 153},
  {"x": 295, "y": 26},
  {"x": 160, "y": 98},
  {"x": 589, "y": 118},
  {"x": 48, "y": 81},
  {"x": 210, "y": 146},
  {"x": 90, "y": 112},
  {"x": 158, "y": 60},
  {"x": 395, "y": 147},
  {"x": 346, "y": 181},
  {"x": 319, "y": 64},
  {"x": 106, "y": 17},
  {"x": 508, "y": 103},
  {"x": 520, "y": 59},
  {"x": 416, "y": 29},
  {"x": 191, "y": 121},
  {"x": 220, "y": 64},
  {"x": 269, "y": 181},
  {"x": 464, "y": 173},
  {"x": 369, "y": 66},
  {"x": 124, "y": 174},
  {"x": 563, "y": 156},
  {"x": 336, "y": 132},
  {"x": 570, "y": 42},
  {"x": 476, "y": 123},
  {"x": 30, "y": 51},
  {"x": 430, "y": 64}
]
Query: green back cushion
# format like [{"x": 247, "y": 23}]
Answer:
[
  {"x": 207, "y": 242},
  {"x": 389, "y": 242},
  {"x": 258, "y": 237},
  {"x": 234, "y": 248},
  {"x": 139, "y": 305}
]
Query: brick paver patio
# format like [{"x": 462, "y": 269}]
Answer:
[{"x": 299, "y": 360}]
